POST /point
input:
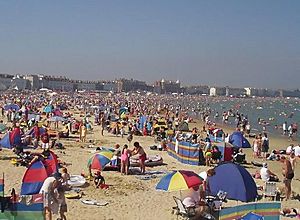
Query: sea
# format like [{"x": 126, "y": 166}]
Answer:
[{"x": 262, "y": 113}]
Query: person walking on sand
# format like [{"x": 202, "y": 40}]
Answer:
[
  {"x": 142, "y": 155},
  {"x": 288, "y": 174}
]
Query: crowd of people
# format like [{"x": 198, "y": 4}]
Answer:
[{"x": 37, "y": 118}]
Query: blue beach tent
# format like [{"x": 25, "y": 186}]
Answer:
[
  {"x": 235, "y": 180},
  {"x": 238, "y": 140}
]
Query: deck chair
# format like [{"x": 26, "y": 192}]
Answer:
[
  {"x": 182, "y": 210},
  {"x": 215, "y": 202},
  {"x": 270, "y": 190}
]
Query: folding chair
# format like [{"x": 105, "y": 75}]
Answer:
[
  {"x": 215, "y": 202},
  {"x": 182, "y": 210},
  {"x": 270, "y": 190}
]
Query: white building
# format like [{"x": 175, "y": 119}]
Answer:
[{"x": 217, "y": 91}]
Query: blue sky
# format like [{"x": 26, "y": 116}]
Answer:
[{"x": 225, "y": 42}]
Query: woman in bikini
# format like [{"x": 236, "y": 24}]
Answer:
[{"x": 142, "y": 155}]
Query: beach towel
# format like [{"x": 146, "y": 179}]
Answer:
[{"x": 94, "y": 202}]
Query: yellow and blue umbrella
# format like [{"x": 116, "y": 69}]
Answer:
[
  {"x": 179, "y": 180},
  {"x": 100, "y": 160}
]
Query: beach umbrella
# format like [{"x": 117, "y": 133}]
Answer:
[
  {"x": 12, "y": 107},
  {"x": 57, "y": 118},
  {"x": 100, "y": 160},
  {"x": 48, "y": 109},
  {"x": 179, "y": 180}
]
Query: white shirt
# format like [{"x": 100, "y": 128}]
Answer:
[
  {"x": 46, "y": 188},
  {"x": 265, "y": 176},
  {"x": 297, "y": 151},
  {"x": 289, "y": 149},
  {"x": 192, "y": 199}
]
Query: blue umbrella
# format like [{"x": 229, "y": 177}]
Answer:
[
  {"x": 235, "y": 180},
  {"x": 12, "y": 107},
  {"x": 48, "y": 109}
]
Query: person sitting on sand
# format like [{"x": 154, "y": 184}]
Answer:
[
  {"x": 266, "y": 174},
  {"x": 193, "y": 198},
  {"x": 240, "y": 157},
  {"x": 64, "y": 133},
  {"x": 289, "y": 149},
  {"x": 98, "y": 179},
  {"x": 290, "y": 212},
  {"x": 142, "y": 155},
  {"x": 216, "y": 154}
]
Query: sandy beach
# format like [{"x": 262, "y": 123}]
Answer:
[{"x": 129, "y": 197}]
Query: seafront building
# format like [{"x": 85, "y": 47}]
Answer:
[{"x": 60, "y": 83}]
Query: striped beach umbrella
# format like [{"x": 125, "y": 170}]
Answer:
[
  {"x": 100, "y": 160},
  {"x": 179, "y": 180}
]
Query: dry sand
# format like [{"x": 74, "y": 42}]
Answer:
[{"x": 129, "y": 197}]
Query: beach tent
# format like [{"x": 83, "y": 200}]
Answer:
[
  {"x": 238, "y": 140},
  {"x": 11, "y": 139},
  {"x": 183, "y": 126},
  {"x": 15, "y": 137},
  {"x": 252, "y": 216},
  {"x": 33, "y": 178},
  {"x": 32, "y": 133},
  {"x": 5, "y": 142},
  {"x": 51, "y": 164},
  {"x": 235, "y": 180}
]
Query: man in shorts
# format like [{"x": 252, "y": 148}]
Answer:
[
  {"x": 50, "y": 201},
  {"x": 288, "y": 174}
]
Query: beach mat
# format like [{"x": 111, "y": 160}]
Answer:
[{"x": 93, "y": 202}]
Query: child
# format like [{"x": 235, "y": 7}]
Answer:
[
  {"x": 98, "y": 179},
  {"x": 62, "y": 203},
  {"x": 125, "y": 160},
  {"x": 65, "y": 177}
]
